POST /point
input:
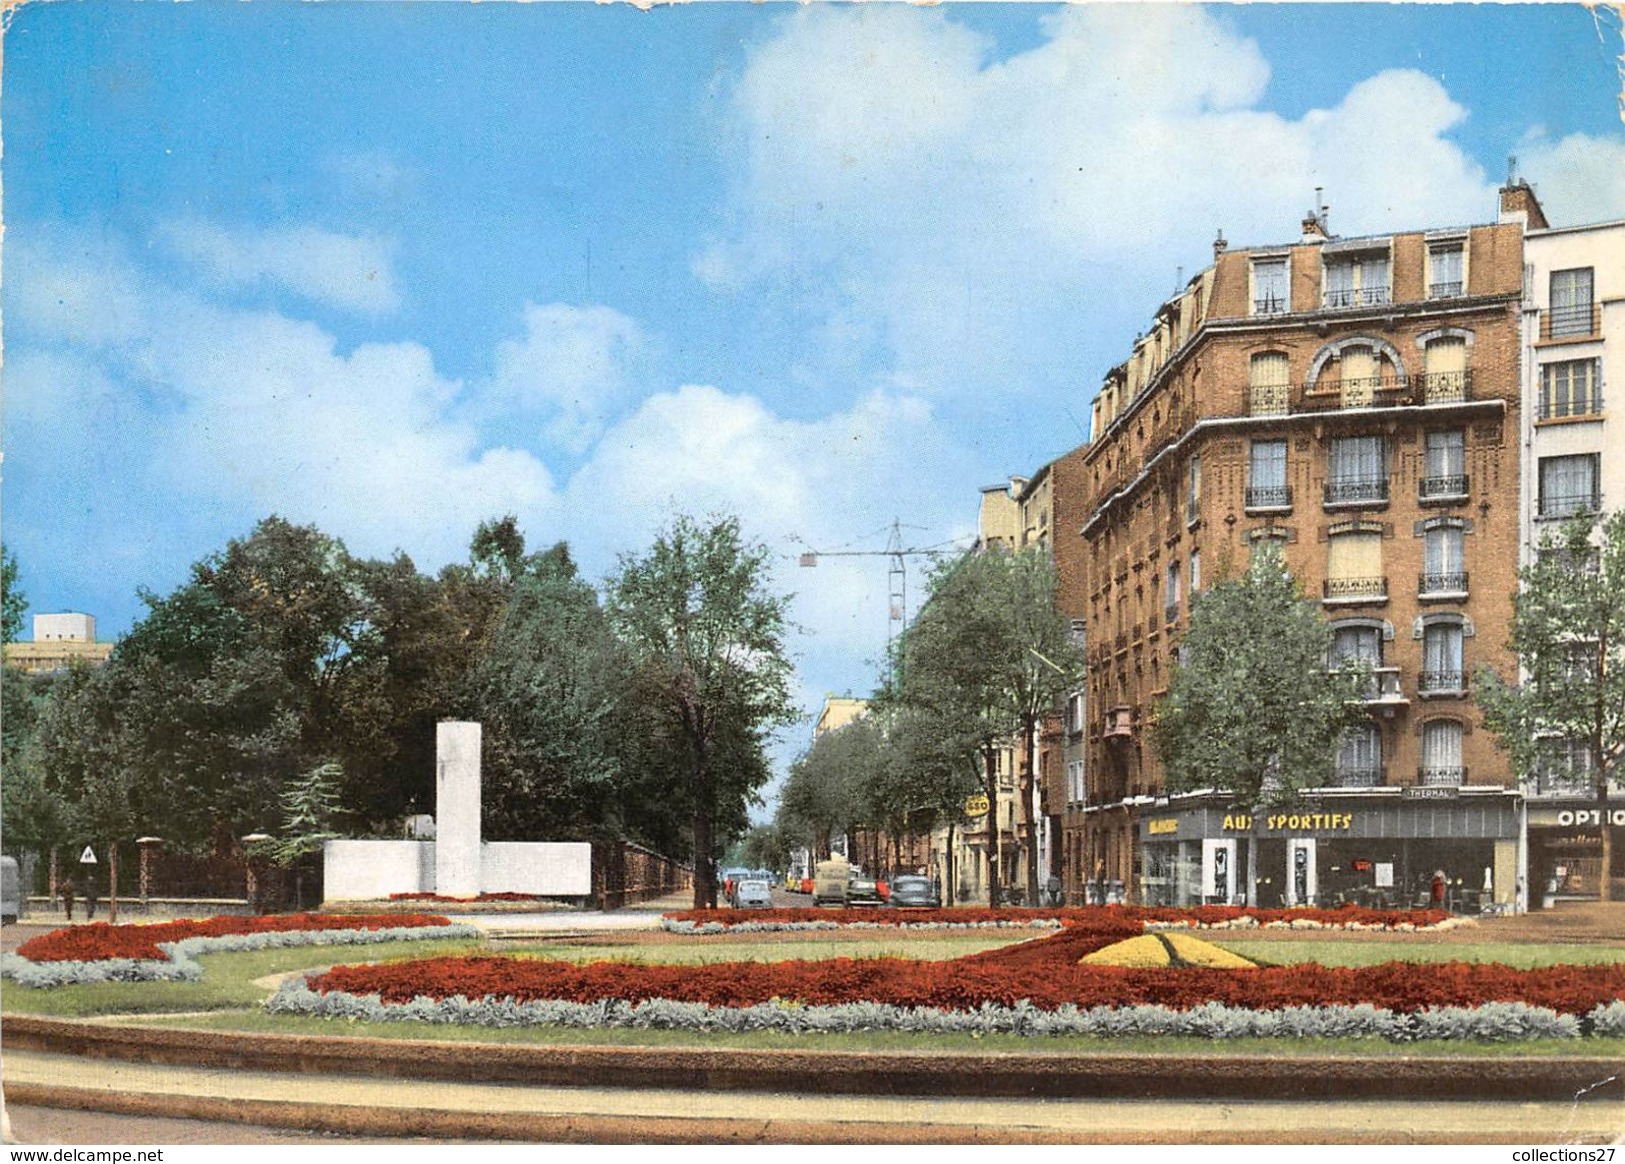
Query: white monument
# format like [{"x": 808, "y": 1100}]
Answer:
[{"x": 457, "y": 863}]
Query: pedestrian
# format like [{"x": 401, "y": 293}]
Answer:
[
  {"x": 90, "y": 897},
  {"x": 66, "y": 889}
]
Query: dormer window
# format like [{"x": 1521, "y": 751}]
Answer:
[
  {"x": 1446, "y": 272},
  {"x": 1271, "y": 295},
  {"x": 1356, "y": 280}
]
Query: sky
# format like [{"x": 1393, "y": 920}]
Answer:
[{"x": 394, "y": 268}]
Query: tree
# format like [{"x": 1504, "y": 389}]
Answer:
[
  {"x": 829, "y": 784},
  {"x": 765, "y": 847},
  {"x": 310, "y": 818},
  {"x": 1568, "y": 632},
  {"x": 13, "y": 602},
  {"x": 706, "y": 640},
  {"x": 1252, "y": 706}
]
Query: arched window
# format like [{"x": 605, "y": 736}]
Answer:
[
  {"x": 1269, "y": 386},
  {"x": 1359, "y": 758},
  {"x": 1444, "y": 370},
  {"x": 1354, "y": 567},
  {"x": 1444, "y": 672}
]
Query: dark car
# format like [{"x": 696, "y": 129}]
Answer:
[
  {"x": 862, "y": 889},
  {"x": 911, "y": 892}
]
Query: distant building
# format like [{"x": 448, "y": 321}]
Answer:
[
  {"x": 59, "y": 641},
  {"x": 838, "y": 711}
]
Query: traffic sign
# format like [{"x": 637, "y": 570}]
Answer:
[{"x": 87, "y": 857}]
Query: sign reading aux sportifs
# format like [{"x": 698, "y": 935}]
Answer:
[{"x": 1237, "y": 822}]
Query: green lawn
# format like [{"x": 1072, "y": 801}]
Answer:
[
  {"x": 702, "y": 951},
  {"x": 1371, "y": 951}
]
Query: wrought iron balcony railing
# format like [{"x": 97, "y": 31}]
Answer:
[
  {"x": 1357, "y": 297},
  {"x": 1446, "y": 387},
  {"x": 1573, "y": 322},
  {"x": 1441, "y": 776},
  {"x": 1268, "y": 497},
  {"x": 1356, "y": 490},
  {"x": 1270, "y": 305},
  {"x": 1269, "y": 399},
  {"x": 1585, "y": 403},
  {"x": 1438, "y": 584},
  {"x": 1354, "y": 589},
  {"x": 1436, "y": 488},
  {"x": 1441, "y": 682},
  {"x": 1359, "y": 776},
  {"x": 1445, "y": 290},
  {"x": 1556, "y": 505}
]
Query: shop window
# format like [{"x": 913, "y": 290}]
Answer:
[{"x": 1441, "y": 753}]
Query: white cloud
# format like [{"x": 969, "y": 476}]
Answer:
[
  {"x": 1577, "y": 178},
  {"x": 347, "y": 271},
  {"x": 574, "y": 367}
]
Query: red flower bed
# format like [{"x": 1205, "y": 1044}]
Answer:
[
  {"x": 1043, "y": 971},
  {"x": 481, "y": 897},
  {"x": 100, "y": 941},
  {"x": 1206, "y": 915}
]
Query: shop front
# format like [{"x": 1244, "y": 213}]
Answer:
[
  {"x": 1388, "y": 848},
  {"x": 1565, "y": 849}
]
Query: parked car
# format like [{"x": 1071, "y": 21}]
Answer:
[
  {"x": 912, "y": 892},
  {"x": 862, "y": 889},
  {"x": 11, "y": 898},
  {"x": 753, "y": 894},
  {"x": 830, "y": 882},
  {"x": 730, "y": 879}
]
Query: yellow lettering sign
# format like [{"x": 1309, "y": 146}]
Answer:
[
  {"x": 1236, "y": 822},
  {"x": 976, "y": 806},
  {"x": 1170, "y": 825}
]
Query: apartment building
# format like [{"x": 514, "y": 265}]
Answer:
[
  {"x": 1574, "y": 462},
  {"x": 1356, "y": 402},
  {"x": 60, "y": 641}
]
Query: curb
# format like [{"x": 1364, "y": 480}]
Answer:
[{"x": 936, "y": 1074}]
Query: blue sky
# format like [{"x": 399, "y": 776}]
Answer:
[{"x": 395, "y": 268}]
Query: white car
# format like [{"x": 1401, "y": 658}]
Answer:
[{"x": 753, "y": 895}]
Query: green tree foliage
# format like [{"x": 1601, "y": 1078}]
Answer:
[
  {"x": 765, "y": 847},
  {"x": 13, "y": 602},
  {"x": 705, "y": 637},
  {"x": 1252, "y": 707},
  {"x": 829, "y": 787},
  {"x": 1568, "y": 632}
]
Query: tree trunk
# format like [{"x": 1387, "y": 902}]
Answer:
[
  {"x": 705, "y": 869},
  {"x": 990, "y": 781},
  {"x": 1605, "y": 891},
  {"x": 112, "y": 883},
  {"x": 1029, "y": 762},
  {"x": 950, "y": 893}
]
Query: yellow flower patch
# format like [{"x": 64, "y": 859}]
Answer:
[
  {"x": 1196, "y": 952},
  {"x": 1152, "y": 951},
  {"x": 1142, "y": 952}
]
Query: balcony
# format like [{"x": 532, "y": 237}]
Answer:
[
  {"x": 1353, "y": 591},
  {"x": 1449, "y": 487},
  {"x": 1446, "y": 290},
  {"x": 1261, "y": 498},
  {"x": 1441, "y": 683},
  {"x": 1269, "y": 399},
  {"x": 1271, "y": 305},
  {"x": 1556, "y": 506},
  {"x": 1118, "y": 723},
  {"x": 1553, "y": 407},
  {"x": 1580, "y": 321},
  {"x": 1446, "y": 387},
  {"x": 1445, "y": 777},
  {"x": 1347, "y": 297},
  {"x": 1385, "y": 690},
  {"x": 1441, "y": 586},
  {"x": 1362, "y": 776},
  {"x": 1361, "y": 392},
  {"x": 1351, "y": 492}
]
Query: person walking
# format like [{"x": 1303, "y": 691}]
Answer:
[
  {"x": 65, "y": 888},
  {"x": 90, "y": 897}
]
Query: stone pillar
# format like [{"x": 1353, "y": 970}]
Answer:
[{"x": 457, "y": 810}]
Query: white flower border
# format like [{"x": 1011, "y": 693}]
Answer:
[
  {"x": 182, "y": 964},
  {"x": 1245, "y": 922},
  {"x": 1495, "y": 1021}
]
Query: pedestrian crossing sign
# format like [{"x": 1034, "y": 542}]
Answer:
[{"x": 87, "y": 857}]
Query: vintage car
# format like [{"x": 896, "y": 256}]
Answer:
[
  {"x": 912, "y": 892},
  {"x": 862, "y": 889},
  {"x": 753, "y": 894},
  {"x": 830, "y": 880}
]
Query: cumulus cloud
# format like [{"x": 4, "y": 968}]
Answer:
[
  {"x": 573, "y": 369},
  {"x": 352, "y": 272},
  {"x": 1578, "y": 178}
]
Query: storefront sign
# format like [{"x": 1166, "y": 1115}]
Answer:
[
  {"x": 1429, "y": 792},
  {"x": 976, "y": 806},
  {"x": 1165, "y": 825},
  {"x": 1274, "y": 822},
  {"x": 1360, "y": 865},
  {"x": 1570, "y": 817}
]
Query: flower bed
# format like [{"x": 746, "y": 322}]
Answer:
[
  {"x": 467, "y": 900},
  {"x": 714, "y": 921},
  {"x": 168, "y": 950}
]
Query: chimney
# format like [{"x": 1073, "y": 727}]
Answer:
[
  {"x": 1314, "y": 222},
  {"x": 1219, "y": 245},
  {"x": 1519, "y": 204}
]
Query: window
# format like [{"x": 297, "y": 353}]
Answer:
[
  {"x": 1269, "y": 390},
  {"x": 1356, "y": 282},
  {"x": 1444, "y": 466},
  {"x": 1441, "y": 753},
  {"x": 1074, "y": 712},
  {"x": 1357, "y": 471},
  {"x": 1270, "y": 295},
  {"x": 1074, "y": 781},
  {"x": 1196, "y": 573},
  {"x": 1565, "y": 767},
  {"x": 1359, "y": 758},
  {"x": 1354, "y": 567},
  {"x": 1568, "y": 485},
  {"x": 1442, "y": 671},
  {"x": 1356, "y": 642},
  {"x": 1570, "y": 312},
  {"x": 1570, "y": 388},
  {"x": 1445, "y": 272},
  {"x": 1444, "y": 374},
  {"x": 1171, "y": 595},
  {"x": 1359, "y": 377},
  {"x": 1266, "y": 476},
  {"x": 1193, "y": 490},
  {"x": 1443, "y": 568}
]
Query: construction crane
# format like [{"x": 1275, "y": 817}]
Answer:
[{"x": 897, "y": 577}]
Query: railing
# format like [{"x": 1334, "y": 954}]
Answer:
[
  {"x": 1358, "y": 392},
  {"x": 1268, "y": 497},
  {"x": 1270, "y": 305},
  {"x": 1450, "y": 290},
  {"x": 1269, "y": 399},
  {"x": 1170, "y": 613},
  {"x": 1578, "y": 404},
  {"x": 1354, "y": 589},
  {"x": 1357, "y": 297},
  {"x": 1569, "y": 784},
  {"x": 1437, "y": 584},
  {"x": 1384, "y": 687},
  {"x": 1451, "y": 485},
  {"x": 1441, "y": 777},
  {"x": 1118, "y": 723},
  {"x": 1446, "y": 387},
  {"x": 1193, "y": 509},
  {"x": 1580, "y": 320},
  {"x": 1356, "y": 490},
  {"x": 1555, "y": 505},
  {"x": 1441, "y": 682},
  {"x": 1365, "y": 776}
]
